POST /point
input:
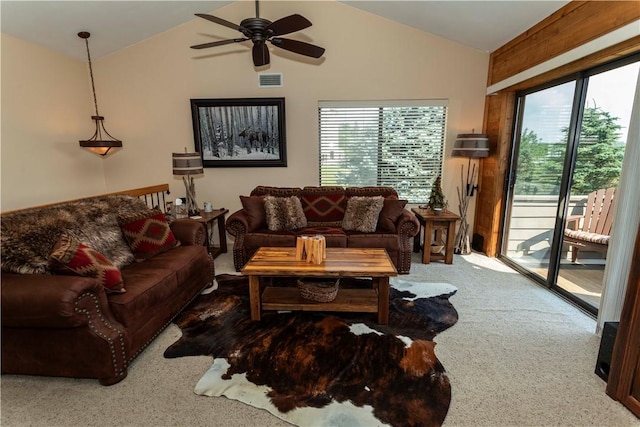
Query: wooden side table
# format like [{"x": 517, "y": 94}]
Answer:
[
  {"x": 210, "y": 219},
  {"x": 432, "y": 223}
]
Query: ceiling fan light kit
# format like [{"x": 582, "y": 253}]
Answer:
[{"x": 260, "y": 31}]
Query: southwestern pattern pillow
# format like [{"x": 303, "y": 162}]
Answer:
[
  {"x": 147, "y": 233},
  {"x": 391, "y": 211},
  {"x": 72, "y": 257},
  {"x": 284, "y": 213},
  {"x": 323, "y": 204},
  {"x": 362, "y": 214}
]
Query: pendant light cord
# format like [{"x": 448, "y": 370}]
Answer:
[{"x": 93, "y": 87}]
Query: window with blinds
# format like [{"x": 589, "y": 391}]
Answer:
[{"x": 399, "y": 144}]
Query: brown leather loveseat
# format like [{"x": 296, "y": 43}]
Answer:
[
  {"x": 324, "y": 211},
  {"x": 63, "y": 324}
]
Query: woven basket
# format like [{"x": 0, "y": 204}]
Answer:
[
  {"x": 436, "y": 248},
  {"x": 320, "y": 290}
]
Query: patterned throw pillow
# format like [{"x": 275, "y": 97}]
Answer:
[
  {"x": 323, "y": 204},
  {"x": 284, "y": 213},
  {"x": 71, "y": 256},
  {"x": 391, "y": 211},
  {"x": 147, "y": 233},
  {"x": 362, "y": 214}
]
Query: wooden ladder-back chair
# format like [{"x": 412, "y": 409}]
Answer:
[{"x": 591, "y": 229}]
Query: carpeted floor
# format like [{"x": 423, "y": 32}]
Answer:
[{"x": 518, "y": 356}]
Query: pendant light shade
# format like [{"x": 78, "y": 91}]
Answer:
[{"x": 101, "y": 143}]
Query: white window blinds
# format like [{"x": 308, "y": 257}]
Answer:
[{"x": 391, "y": 143}]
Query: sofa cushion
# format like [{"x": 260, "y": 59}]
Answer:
[
  {"x": 254, "y": 208},
  {"x": 371, "y": 191},
  {"x": 270, "y": 238},
  {"x": 335, "y": 237},
  {"x": 391, "y": 211},
  {"x": 147, "y": 233},
  {"x": 263, "y": 190},
  {"x": 149, "y": 285},
  {"x": 284, "y": 213},
  {"x": 390, "y": 242},
  {"x": 156, "y": 284},
  {"x": 70, "y": 256},
  {"x": 362, "y": 213},
  {"x": 323, "y": 204}
]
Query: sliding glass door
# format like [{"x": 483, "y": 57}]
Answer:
[
  {"x": 568, "y": 142},
  {"x": 536, "y": 176}
]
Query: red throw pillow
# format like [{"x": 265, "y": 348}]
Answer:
[
  {"x": 391, "y": 211},
  {"x": 147, "y": 233},
  {"x": 71, "y": 256}
]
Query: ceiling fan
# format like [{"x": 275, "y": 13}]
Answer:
[{"x": 260, "y": 31}]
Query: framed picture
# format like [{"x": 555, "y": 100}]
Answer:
[{"x": 242, "y": 132}]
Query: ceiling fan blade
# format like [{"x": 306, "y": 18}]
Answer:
[
  {"x": 221, "y": 21},
  {"x": 260, "y": 54},
  {"x": 296, "y": 46},
  {"x": 287, "y": 25},
  {"x": 218, "y": 43}
]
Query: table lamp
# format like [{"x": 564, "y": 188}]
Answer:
[{"x": 187, "y": 165}]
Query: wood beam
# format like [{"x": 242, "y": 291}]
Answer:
[{"x": 573, "y": 25}]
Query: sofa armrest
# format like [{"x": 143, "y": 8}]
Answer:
[
  {"x": 238, "y": 224},
  {"x": 407, "y": 224},
  {"x": 189, "y": 232},
  {"x": 51, "y": 301}
]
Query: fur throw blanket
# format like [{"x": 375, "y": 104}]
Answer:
[{"x": 28, "y": 236}]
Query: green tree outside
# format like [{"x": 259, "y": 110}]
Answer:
[{"x": 598, "y": 164}]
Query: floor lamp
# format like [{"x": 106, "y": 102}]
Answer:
[
  {"x": 469, "y": 145},
  {"x": 187, "y": 165}
]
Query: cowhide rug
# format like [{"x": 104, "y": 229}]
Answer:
[{"x": 321, "y": 369}]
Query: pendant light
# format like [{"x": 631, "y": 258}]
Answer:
[{"x": 101, "y": 143}]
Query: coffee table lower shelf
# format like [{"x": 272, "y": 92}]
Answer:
[{"x": 350, "y": 300}]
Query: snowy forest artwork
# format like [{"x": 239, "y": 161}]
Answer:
[{"x": 240, "y": 132}]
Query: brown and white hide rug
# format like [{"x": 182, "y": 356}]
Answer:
[{"x": 320, "y": 368}]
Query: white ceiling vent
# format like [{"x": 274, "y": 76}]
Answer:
[{"x": 270, "y": 80}]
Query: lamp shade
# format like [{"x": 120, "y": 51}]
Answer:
[
  {"x": 471, "y": 145},
  {"x": 187, "y": 164}
]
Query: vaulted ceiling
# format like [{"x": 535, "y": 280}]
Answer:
[{"x": 483, "y": 25}]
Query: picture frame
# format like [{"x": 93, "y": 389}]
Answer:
[{"x": 240, "y": 132}]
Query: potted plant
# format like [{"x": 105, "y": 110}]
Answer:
[{"x": 437, "y": 201}]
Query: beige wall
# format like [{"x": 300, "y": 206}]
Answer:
[
  {"x": 144, "y": 91},
  {"x": 367, "y": 57},
  {"x": 46, "y": 109}
]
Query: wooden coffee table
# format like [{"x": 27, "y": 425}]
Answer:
[{"x": 341, "y": 262}]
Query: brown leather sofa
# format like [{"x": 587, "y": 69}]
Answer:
[
  {"x": 63, "y": 325},
  {"x": 324, "y": 208}
]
